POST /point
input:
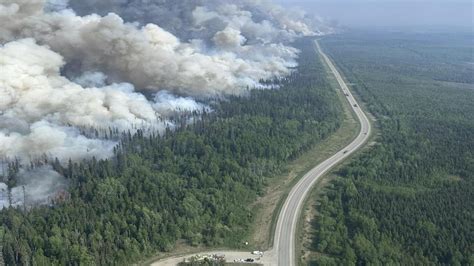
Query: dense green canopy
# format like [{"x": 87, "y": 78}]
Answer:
[
  {"x": 193, "y": 183},
  {"x": 410, "y": 198}
]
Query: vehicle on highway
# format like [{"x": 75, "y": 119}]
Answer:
[{"x": 285, "y": 239}]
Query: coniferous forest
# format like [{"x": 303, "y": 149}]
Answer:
[
  {"x": 409, "y": 199},
  {"x": 192, "y": 183}
]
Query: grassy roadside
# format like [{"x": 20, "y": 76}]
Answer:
[
  {"x": 309, "y": 212},
  {"x": 266, "y": 209},
  {"x": 304, "y": 229}
]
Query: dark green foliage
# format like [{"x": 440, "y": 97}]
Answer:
[
  {"x": 410, "y": 199},
  {"x": 193, "y": 183}
]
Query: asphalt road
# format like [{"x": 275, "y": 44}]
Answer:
[
  {"x": 285, "y": 233},
  {"x": 283, "y": 251}
]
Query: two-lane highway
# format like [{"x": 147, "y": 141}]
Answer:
[
  {"x": 285, "y": 232},
  {"x": 283, "y": 251}
]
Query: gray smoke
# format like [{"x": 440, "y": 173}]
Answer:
[
  {"x": 42, "y": 111},
  {"x": 34, "y": 187},
  {"x": 66, "y": 66},
  {"x": 150, "y": 57},
  {"x": 185, "y": 18}
]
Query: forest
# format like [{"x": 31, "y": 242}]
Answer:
[
  {"x": 408, "y": 199},
  {"x": 193, "y": 183}
]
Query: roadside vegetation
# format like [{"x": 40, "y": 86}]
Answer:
[
  {"x": 267, "y": 207},
  {"x": 409, "y": 199},
  {"x": 194, "y": 184}
]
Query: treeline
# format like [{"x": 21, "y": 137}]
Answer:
[
  {"x": 410, "y": 199},
  {"x": 194, "y": 183}
]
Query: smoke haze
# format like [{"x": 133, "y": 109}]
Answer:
[
  {"x": 393, "y": 14},
  {"x": 67, "y": 66},
  {"x": 39, "y": 186}
]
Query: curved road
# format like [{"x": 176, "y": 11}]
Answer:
[
  {"x": 285, "y": 233},
  {"x": 283, "y": 251}
]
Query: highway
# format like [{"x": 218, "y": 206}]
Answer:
[
  {"x": 285, "y": 232},
  {"x": 283, "y": 251}
]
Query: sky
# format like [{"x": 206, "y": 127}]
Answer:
[{"x": 392, "y": 13}]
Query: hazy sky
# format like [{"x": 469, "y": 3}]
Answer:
[{"x": 392, "y": 13}]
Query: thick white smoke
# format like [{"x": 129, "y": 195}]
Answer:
[
  {"x": 183, "y": 19},
  {"x": 42, "y": 112},
  {"x": 148, "y": 56},
  {"x": 70, "y": 66},
  {"x": 168, "y": 104}
]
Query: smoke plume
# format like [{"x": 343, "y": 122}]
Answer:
[
  {"x": 39, "y": 186},
  {"x": 150, "y": 57},
  {"x": 67, "y": 66}
]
